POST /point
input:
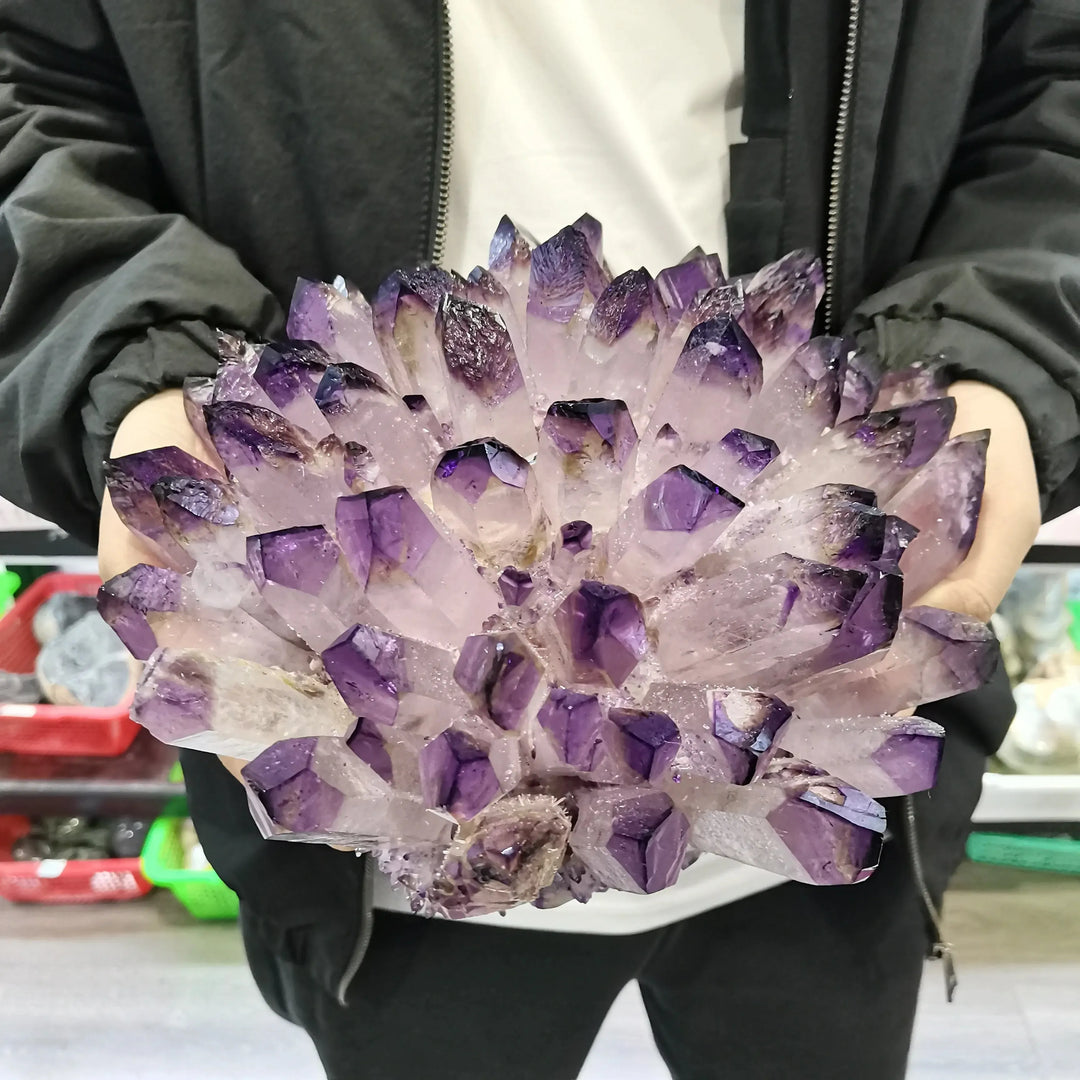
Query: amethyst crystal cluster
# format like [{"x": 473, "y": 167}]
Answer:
[{"x": 541, "y": 581}]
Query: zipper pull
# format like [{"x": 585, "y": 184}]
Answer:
[{"x": 943, "y": 951}]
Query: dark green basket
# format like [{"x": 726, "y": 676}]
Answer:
[{"x": 1058, "y": 855}]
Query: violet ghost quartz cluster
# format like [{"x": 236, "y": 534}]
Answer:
[{"x": 543, "y": 581}]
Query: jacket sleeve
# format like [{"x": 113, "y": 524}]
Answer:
[
  {"x": 997, "y": 282},
  {"x": 107, "y": 297}
]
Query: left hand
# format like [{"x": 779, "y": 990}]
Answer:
[{"x": 1010, "y": 514}]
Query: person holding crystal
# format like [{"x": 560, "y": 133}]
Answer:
[{"x": 167, "y": 170}]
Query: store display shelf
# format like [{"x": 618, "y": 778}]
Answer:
[
  {"x": 1013, "y": 797},
  {"x": 142, "y": 798}
]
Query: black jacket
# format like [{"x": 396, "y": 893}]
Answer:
[{"x": 170, "y": 166}]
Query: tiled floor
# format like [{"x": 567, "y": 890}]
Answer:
[{"x": 142, "y": 993}]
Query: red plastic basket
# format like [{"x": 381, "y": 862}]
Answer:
[
  {"x": 54, "y": 729},
  {"x": 64, "y": 881}
]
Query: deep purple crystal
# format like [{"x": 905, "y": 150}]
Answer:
[
  {"x": 682, "y": 500},
  {"x": 604, "y": 629},
  {"x": 368, "y": 744},
  {"x": 456, "y": 775},
  {"x": 515, "y": 585},
  {"x": 753, "y": 452},
  {"x": 125, "y": 600},
  {"x": 625, "y": 302},
  {"x": 575, "y": 723},
  {"x": 366, "y": 667},
  {"x": 477, "y": 349},
  {"x": 562, "y": 269},
  {"x": 501, "y": 675},
  {"x": 468, "y": 469},
  {"x": 287, "y": 370},
  {"x": 383, "y": 528},
  {"x": 650, "y": 741},
  {"x": 576, "y": 536},
  {"x": 678, "y": 285},
  {"x": 719, "y": 350},
  {"x": 302, "y": 558}
]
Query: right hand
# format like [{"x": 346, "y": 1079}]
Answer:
[{"x": 157, "y": 421}]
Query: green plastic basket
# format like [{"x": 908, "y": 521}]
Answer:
[
  {"x": 1059, "y": 855},
  {"x": 202, "y": 892}
]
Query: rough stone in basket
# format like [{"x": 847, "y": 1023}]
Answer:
[{"x": 547, "y": 545}]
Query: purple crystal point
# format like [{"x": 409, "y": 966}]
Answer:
[
  {"x": 392, "y": 680},
  {"x": 684, "y": 501},
  {"x": 882, "y": 450},
  {"x": 302, "y": 576},
  {"x": 622, "y": 306},
  {"x": 502, "y": 676},
  {"x": 882, "y": 755},
  {"x": 872, "y": 621},
  {"x": 360, "y": 409},
  {"x": 934, "y": 654},
  {"x": 320, "y": 789},
  {"x": 650, "y": 741},
  {"x": 680, "y": 284},
  {"x": 734, "y": 462},
  {"x": 803, "y": 398},
  {"x": 630, "y": 839},
  {"x": 477, "y": 349},
  {"x": 131, "y": 479},
  {"x": 603, "y": 629},
  {"x": 942, "y": 502},
  {"x": 456, "y": 775},
  {"x": 289, "y": 374},
  {"x": 301, "y": 558},
  {"x": 149, "y": 607},
  {"x": 469, "y": 469},
  {"x": 862, "y": 377},
  {"x": 752, "y": 452},
  {"x": 485, "y": 385},
  {"x": 746, "y": 718},
  {"x": 717, "y": 375},
  {"x": 565, "y": 280},
  {"x": 421, "y": 584},
  {"x": 753, "y": 623},
  {"x": 234, "y": 707},
  {"x": 368, "y": 744},
  {"x": 563, "y": 269},
  {"x": 585, "y": 449},
  {"x": 283, "y": 473},
  {"x": 125, "y": 601},
  {"x": 509, "y": 245},
  {"x": 516, "y": 586},
  {"x": 574, "y": 724},
  {"x": 671, "y": 524},
  {"x": 404, "y": 318},
  {"x": 367, "y": 669},
  {"x": 576, "y": 536},
  {"x": 338, "y": 321},
  {"x": 781, "y": 303},
  {"x": 593, "y": 232}
]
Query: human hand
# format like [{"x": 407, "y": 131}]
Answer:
[
  {"x": 157, "y": 421},
  {"x": 1010, "y": 515}
]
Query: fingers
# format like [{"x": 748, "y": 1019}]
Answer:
[{"x": 1010, "y": 515}]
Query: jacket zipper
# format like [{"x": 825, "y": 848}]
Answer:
[
  {"x": 941, "y": 949},
  {"x": 445, "y": 132},
  {"x": 436, "y": 242},
  {"x": 839, "y": 161},
  {"x": 363, "y": 939}
]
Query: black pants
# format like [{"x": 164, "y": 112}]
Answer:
[{"x": 800, "y": 982}]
